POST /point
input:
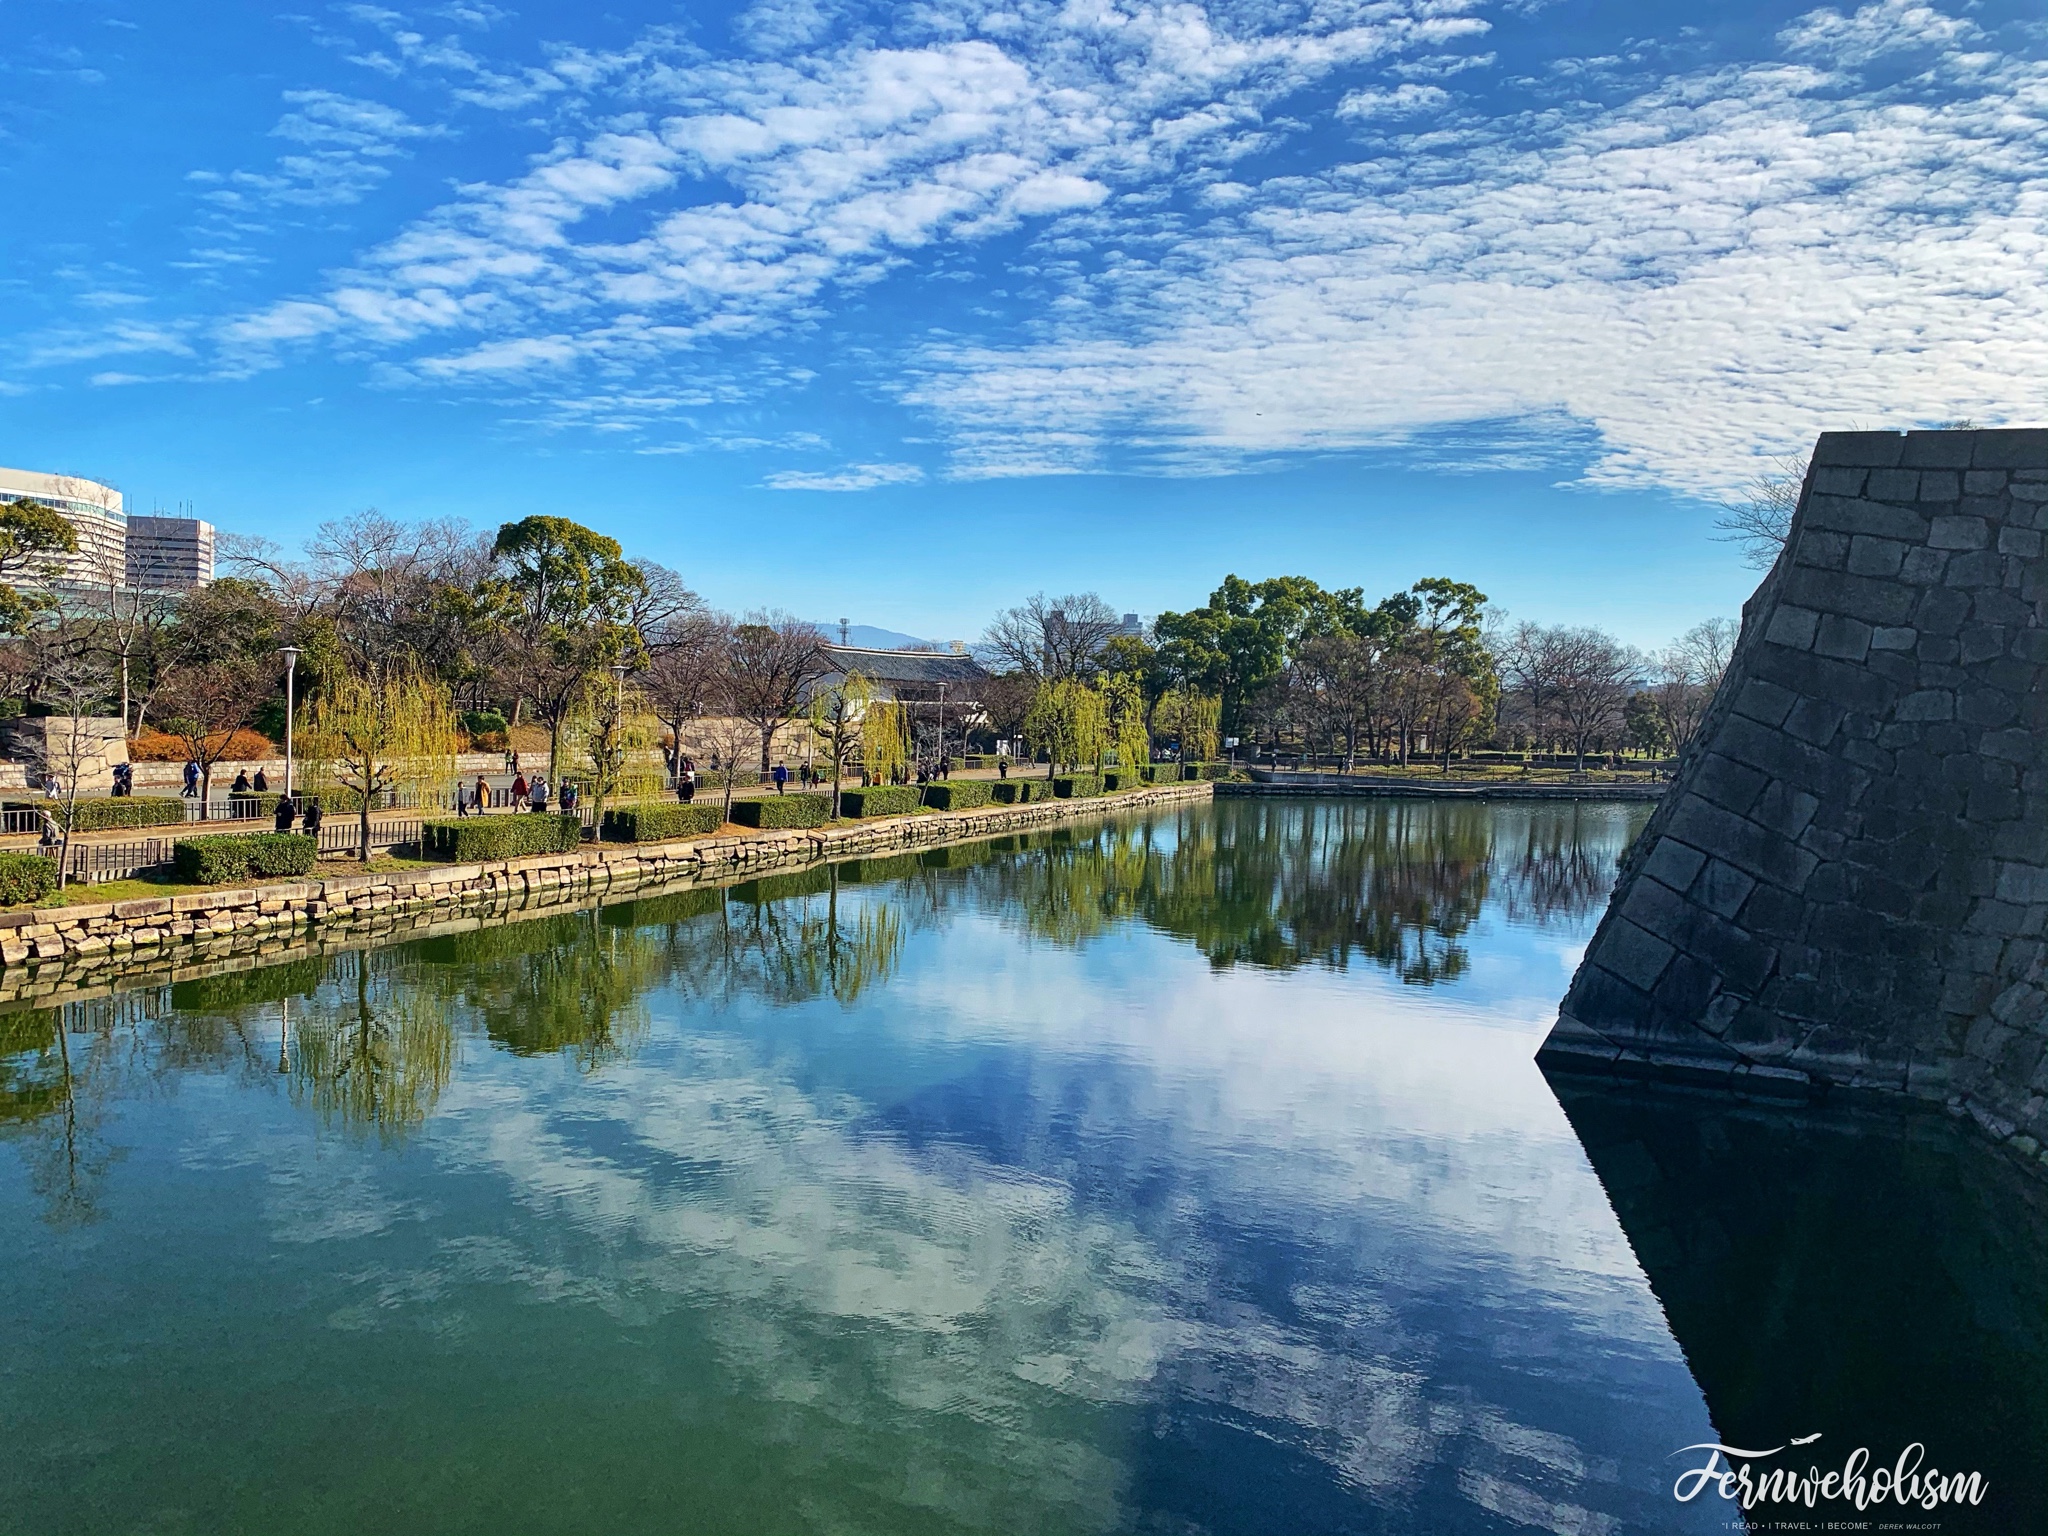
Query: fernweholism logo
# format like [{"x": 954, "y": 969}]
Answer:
[{"x": 1749, "y": 1476}]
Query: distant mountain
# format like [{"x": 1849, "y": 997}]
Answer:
[{"x": 876, "y": 639}]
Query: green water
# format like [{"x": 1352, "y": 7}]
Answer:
[{"x": 1186, "y": 1174}]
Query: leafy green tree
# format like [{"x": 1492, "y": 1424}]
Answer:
[
  {"x": 32, "y": 537},
  {"x": 368, "y": 734},
  {"x": 565, "y": 601}
]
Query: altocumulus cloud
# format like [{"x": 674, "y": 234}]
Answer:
[{"x": 1700, "y": 266}]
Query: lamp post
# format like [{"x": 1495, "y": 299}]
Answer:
[{"x": 291, "y": 667}]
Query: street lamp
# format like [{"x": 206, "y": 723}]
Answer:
[{"x": 290, "y": 653}]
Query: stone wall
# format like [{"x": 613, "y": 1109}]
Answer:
[
  {"x": 1847, "y": 885},
  {"x": 50, "y": 953}
]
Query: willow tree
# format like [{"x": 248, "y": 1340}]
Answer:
[
  {"x": 1068, "y": 720},
  {"x": 838, "y": 710},
  {"x": 369, "y": 735},
  {"x": 884, "y": 740},
  {"x": 1123, "y": 697},
  {"x": 613, "y": 734},
  {"x": 1192, "y": 719}
]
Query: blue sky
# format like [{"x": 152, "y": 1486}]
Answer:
[{"x": 904, "y": 312}]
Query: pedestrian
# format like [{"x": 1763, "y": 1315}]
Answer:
[
  {"x": 1002, "y": 767},
  {"x": 241, "y": 784},
  {"x": 781, "y": 777},
  {"x": 461, "y": 800},
  {"x": 483, "y": 794},
  {"x": 540, "y": 794},
  {"x": 261, "y": 784},
  {"x": 571, "y": 798},
  {"x": 515, "y": 765},
  {"x": 689, "y": 784},
  {"x": 51, "y": 789},
  {"x": 287, "y": 813},
  {"x": 519, "y": 789},
  {"x": 191, "y": 780},
  {"x": 311, "y": 825},
  {"x": 52, "y": 835}
]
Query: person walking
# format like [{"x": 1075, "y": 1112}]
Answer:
[
  {"x": 311, "y": 825},
  {"x": 461, "y": 800},
  {"x": 1002, "y": 767},
  {"x": 287, "y": 813},
  {"x": 688, "y": 787},
  {"x": 191, "y": 790},
  {"x": 571, "y": 798},
  {"x": 540, "y": 794},
  {"x": 261, "y": 784},
  {"x": 483, "y": 794},
  {"x": 781, "y": 777},
  {"x": 519, "y": 790}
]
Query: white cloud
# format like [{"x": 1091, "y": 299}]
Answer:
[
  {"x": 854, "y": 477},
  {"x": 1402, "y": 101},
  {"x": 1889, "y": 26}
]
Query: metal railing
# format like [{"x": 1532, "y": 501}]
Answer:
[{"x": 94, "y": 863}]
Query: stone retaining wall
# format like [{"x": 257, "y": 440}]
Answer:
[
  {"x": 1847, "y": 885},
  {"x": 52, "y": 953}
]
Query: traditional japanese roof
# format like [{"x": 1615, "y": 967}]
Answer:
[{"x": 911, "y": 669}]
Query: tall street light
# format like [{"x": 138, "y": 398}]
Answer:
[{"x": 291, "y": 667}]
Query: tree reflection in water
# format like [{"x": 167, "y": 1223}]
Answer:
[{"x": 374, "y": 1034}]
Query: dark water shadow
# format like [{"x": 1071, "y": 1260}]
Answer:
[{"x": 1878, "y": 1278}]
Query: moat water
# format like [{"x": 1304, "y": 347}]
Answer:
[{"x": 1180, "y": 1174}]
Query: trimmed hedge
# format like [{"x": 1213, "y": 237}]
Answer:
[
  {"x": 879, "y": 800},
  {"x": 96, "y": 815},
  {"x": 1077, "y": 786},
  {"x": 958, "y": 794},
  {"x": 232, "y": 856},
  {"x": 779, "y": 811},
  {"x": 1122, "y": 778},
  {"x": 471, "y": 839},
  {"x": 26, "y": 877},
  {"x": 659, "y": 823},
  {"x": 1020, "y": 791}
]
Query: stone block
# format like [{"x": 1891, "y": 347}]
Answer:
[
  {"x": 1815, "y": 721},
  {"x": 2023, "y": 542},
  {"x": 1984, "y": 482},
  {"x": 2025, "y": 448},
  {"x": 1672, "y": 863},
  {"x": 1824, "y": 550},
  {"x": 1940, "y": 486},
  {"x": 1727, "y": 783},
  {"x": 1764, "y": 702},
  {"x": 1844, "y": 638},
  {"x": 1974, "y": 568},
  {"x": 1838, "y": 480},
  {"x": 1850, "y": 515},
  {"x": 1722, "y": 888},
  {"x": 1954, "y": 531},
  {"x": 1749, "y": 847},
  {"x": 1859, "y": 449},
  {"x": 1941, "y": 449},
  {"x": 1893, "y": 485},
  {"x": 1635, "y": 955},
  {"x": 1793, "y": 628},
  {"x": 1923, "y": 566},
  {"x": 1874, "y": 557},
  {"x": 1894, "y": 638}
]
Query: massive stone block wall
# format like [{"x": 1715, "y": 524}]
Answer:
[{"x": 1847, "y": 884}]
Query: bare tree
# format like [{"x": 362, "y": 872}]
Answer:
[
  {"x": 771, "y": 662},
  {"x": 77, "y": 685},
  {"x": 1760, "y": 519},
  {"x": 1591, "y": 676},
  {"x": 205, "y": 703},
  {"x": 1054, "y": 638},
  {"x": 1685, "y": 676},
  {"x": 685, "y": 672}
]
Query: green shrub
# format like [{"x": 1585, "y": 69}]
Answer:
[
  {"x": 659, "y": 823},
  {"x": 231, "y": 856},
  {"x": 879, "y": 800},
  {"x": 958, "y": 794},
  {"x": 25, "y": 878},
  {"x": 1020, "y": 791},
  {"x": 1122, "y": 778},
  {"x": 1077, "y": 786},
  {"x": 483, "y": 722},
  {"x": 96, "y": 815},
  {"x": 471, "y": 839},
  {"x": 783, "y": 811}
]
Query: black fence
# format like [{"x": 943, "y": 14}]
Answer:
[{"x": 93, "y": 863}]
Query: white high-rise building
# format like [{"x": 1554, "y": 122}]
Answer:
[{"x": 174, "y": 553}]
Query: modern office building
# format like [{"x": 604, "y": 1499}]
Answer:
[
  {"x": 164, "y": 553},
  {"x": 169, "y": 554}
]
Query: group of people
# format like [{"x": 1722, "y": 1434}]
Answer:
[
  {"x": 923, "y": 773},
  {"x": 289, "y": 810},
  {"x": 474, "y": 800}
]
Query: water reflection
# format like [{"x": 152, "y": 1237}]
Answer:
[
  {"x": 1187, "y": 1173},
  {"x": 1873, "y": 1278}
]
